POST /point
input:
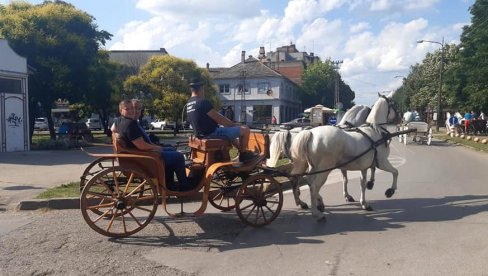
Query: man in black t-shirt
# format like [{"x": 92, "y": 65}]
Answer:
[
  {"x": 134, "y": 137},
  {"x": 205, "y": 121}
]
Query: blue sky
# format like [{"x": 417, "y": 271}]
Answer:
[{"x": 376, "y": 39}]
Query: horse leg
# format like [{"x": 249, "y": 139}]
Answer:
[
  {"x": 316, "y": 182},
  {"x": 370, "y": 183},
  {"x": 346, "y": 194},
  {"x": 386, "y": 166},
  {"x": 295, "y": 184},
  {"x": 362, "y": 201}
]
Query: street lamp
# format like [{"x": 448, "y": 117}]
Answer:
[{"x": 440, "y": 80}]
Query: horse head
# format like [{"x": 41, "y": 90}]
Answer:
[{"x": 384, "y": 111}]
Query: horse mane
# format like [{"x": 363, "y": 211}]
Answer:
[
  {"x": 356, "y": 115},
  {"x": 378, "y": 112},
  {"x": 277, "y": 144}
]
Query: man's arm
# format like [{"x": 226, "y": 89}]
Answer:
[
  {"x": 143, "y": 145},
  {"x": 221, "y": 120}
]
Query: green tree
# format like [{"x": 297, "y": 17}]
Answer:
[
  {"x": 60, "y": 43},
  {"x": 162, "y": 84},
  {"x": 318, "y": 86},
  {"x": 472, "y": 89}
]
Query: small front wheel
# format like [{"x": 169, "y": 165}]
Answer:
[
  {"x": 118, "y": 202},
  {"x": 259, "y": 200}
]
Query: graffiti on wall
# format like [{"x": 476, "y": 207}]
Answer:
[{"x": 14, "y": 120}]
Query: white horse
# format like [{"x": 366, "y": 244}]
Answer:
[
  {"x": 281, "y": 142},
  {"x": 317, "y": 151}
]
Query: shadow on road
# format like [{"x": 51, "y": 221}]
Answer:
[{"x": 225, "y": 232}]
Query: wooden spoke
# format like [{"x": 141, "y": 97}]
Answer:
[{"x": 120, "y": 220}]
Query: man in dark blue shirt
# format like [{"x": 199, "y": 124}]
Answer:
[
  {"x": 205, "y": 121},
  {"x": 130, "y": 131}
]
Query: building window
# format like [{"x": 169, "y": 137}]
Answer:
[
  {"x": 263, "y": 87},
  {"x": 224, "y": 89},
  {"x": 13, "y": 86},
  {"x": 241, "y": 87}
]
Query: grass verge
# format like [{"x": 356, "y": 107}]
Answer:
[
  {"x": 469, "y": 143},
  {"x": 66, "y": 190}
]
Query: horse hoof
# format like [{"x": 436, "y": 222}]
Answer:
[
  {"x": 368, "y": 208},
  {"x": 389, "y": 192},
  {"x": 321, "y": 208},
  {"x": 370, "y": 185},
  {"x": 349, "y": 198},
  {"x": 304, "y": 206}
]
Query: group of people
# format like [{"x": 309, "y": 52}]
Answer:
[
  {"x": 457, "y": 121},
  {"x": 206, "y": 123}
]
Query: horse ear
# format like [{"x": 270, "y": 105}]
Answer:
[{"x": 379, "y": 95}]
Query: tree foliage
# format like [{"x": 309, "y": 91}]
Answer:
[
  {"x": 162, "y": 85},
  {"x": 60, "y": 43},
  {"x": 319, "y": 86},
  {"x": 464, "y": 83}
]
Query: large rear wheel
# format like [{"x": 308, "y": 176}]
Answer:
[
  {"x": 95, "y": 167},
  {"x": 118, "y": 202},
  {"x": 259, "y": 200}
]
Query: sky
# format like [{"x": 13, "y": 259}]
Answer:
[{"x": 376, "y": 40}]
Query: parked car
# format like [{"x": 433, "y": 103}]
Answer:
[
  {"x": 298, "y": 122},
  {"x": 159, "y": 124},
  {"x": 41, "y": 123},
  {"x": 94, "y": 123}
]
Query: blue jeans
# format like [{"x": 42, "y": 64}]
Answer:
[
  {"x": 174, "y": 164},
  {"x": 229, "y": 132}
]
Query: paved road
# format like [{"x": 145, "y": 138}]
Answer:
[{"x": 435, "y": 224}]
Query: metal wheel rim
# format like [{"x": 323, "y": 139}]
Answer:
[
  {"x": 259, "y": 200},
  {"x": 124, "y": 211}
]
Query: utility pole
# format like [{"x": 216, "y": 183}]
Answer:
[{"x": 336, "y": 65}]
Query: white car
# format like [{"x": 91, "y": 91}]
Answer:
[
  {"x": 94, "y": 123},
  {"x": 158, "y": 124},
  {"x": 41, "y": 123}
]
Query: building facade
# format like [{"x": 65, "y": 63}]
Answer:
[
  {"x": 14, "y": 118},
  {"x": 255, "y": 92}
]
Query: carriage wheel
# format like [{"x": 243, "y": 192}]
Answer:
[
  {"x": 95, "y": 167},
  {"x": 118, "y": 202},
  {"x": 259, "y": 200},
  {"x": 429, "y": 137},
  {"x": 224, "y": 187}
]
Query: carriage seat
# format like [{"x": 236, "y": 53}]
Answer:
[
  {"x": 209, "y": 150},
  {"x": 154, "y": 167}
]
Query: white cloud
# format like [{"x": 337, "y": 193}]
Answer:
[
  {"x": 374, "y": 46},
  {"x": 380, "y": 5},
  {"x": 361, "y": 26}
]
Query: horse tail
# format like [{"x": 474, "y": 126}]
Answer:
[
  {"x": 276, "y": 147},
  {"x": 299, "y": 151}
]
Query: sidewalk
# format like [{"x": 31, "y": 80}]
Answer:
[{"x": 24, "y": 175}]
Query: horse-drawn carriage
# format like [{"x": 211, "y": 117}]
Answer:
[
  {"x": 422, "y": 133},
  {"x": 121, "y": 191}
]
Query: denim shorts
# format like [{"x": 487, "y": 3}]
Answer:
[{"x": 229, "y": 132}]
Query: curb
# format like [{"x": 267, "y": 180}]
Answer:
[
  {"x": 54, "y": 203},
  {"x": 74, "y": 202}
]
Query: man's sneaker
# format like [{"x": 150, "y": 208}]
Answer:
[{"x": 247, "y": 156}]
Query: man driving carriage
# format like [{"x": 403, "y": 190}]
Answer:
[{"x": 205, "y": 121}]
